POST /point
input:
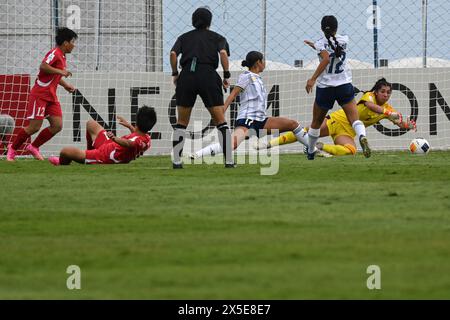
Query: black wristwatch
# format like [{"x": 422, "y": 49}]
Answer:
[
  {"x": 174, "y": 73},
  {"x": 226, "y": 75}
]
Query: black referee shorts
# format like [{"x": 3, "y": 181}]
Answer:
[{"x": 204, "y": 82}]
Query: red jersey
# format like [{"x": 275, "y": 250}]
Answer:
[
  {"x": 111, "y": 152},
  {"x": 46, "y": 84}
]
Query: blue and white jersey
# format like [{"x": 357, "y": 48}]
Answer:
[
  {"x": 338, "y": 71},
  {"x": 253, "y": 98}
]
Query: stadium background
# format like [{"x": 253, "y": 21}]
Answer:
[
  {"x": 145, "y": 231},
  {"x": 121, "y": 60}
]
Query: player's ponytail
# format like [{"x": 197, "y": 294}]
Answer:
[
  {"x": 252, "y": 58},
  {"x": 329, "y": 26},
  {"x": 380, "y": 83}
]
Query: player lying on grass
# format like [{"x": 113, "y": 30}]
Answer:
[
  {"x": 105, "y": 148},
  {"x": 372, "y": 108},
  {"x": 252, "y": 112}
]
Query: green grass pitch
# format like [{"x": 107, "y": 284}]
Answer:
[{"x": 145, "y": 231}]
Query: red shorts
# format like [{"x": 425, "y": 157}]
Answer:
[
  {"x": 39, "y": 109},
  {"x": 97, "y": 155}
]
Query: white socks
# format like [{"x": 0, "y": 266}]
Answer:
[
  {"x": 301, "y": 135},
  {"x": 209, "y": 150},
  {"x": 313, "y": 136},
  {"x": 359, "y": 128}
]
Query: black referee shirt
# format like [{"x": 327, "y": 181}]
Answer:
[{"x": 203, "y": 44}]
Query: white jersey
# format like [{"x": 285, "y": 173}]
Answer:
[
  {"x": 253, "y": 98},
  {"x": 338, "y": 71}
]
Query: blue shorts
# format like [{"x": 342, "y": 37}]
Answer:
[
  {"x": 343, "y": 94},
  {"x": 251, "y": 124}
]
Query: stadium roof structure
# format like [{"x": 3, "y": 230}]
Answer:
[
  {"x": 417, "y": 62},
  {"x": 414, "y": 62}
]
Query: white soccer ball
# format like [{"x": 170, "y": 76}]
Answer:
[
  {"x": 419, "y": 146},
  {"x": 7, "y": 124}
]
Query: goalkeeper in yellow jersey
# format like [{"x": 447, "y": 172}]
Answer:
[{"x": 372, "y": 108}]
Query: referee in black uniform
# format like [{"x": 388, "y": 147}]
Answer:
[{"x": 200, "y": 50}]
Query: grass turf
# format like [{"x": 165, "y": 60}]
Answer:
[{"x": 145, "y": 231}]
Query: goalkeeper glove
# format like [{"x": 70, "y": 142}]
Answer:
[
  {"x": 410, "y": 125},
  {"x": 393, "y": 116}
]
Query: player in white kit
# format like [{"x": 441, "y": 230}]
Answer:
[
  {"x": 334, "y": 83},
  {"x": 252, "y": 112}
]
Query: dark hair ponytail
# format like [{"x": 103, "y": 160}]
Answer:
[
  {"x": 380, "y": 83},
  {"x": 329, "y": 26},
  {"x": 251, "y": 59}
]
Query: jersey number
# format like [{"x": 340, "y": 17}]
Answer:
[
  {"x": 41, "y": 112},
  {"x": 338, "y": 65}
]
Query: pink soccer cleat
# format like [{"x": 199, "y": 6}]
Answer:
[
  {"x": 54, "y": 161},
  {"x": 11, "y": 153},
  {"x": 35, "y": 152}
]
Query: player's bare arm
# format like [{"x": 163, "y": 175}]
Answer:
[
  {"x": 121, "y": 142},
  {"x": 226, "y": 67},
  {"x": 174, "y": 65},
  {"x": 322, "y": 66},
  {"x": 231, "y": 97},
  {"x": 45, "y": 67},
  {"x": 310, "y": 43},
  {"x": 67, "y": 86},
  {"x": 125, "y": 123}
]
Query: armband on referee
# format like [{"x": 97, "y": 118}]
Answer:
[{"x": 226, "y": 75}]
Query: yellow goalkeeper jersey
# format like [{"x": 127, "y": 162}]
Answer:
[{"x": 367, "y": 116}]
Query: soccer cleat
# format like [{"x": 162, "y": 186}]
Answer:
[
  {"x": 177, "y": 165},
  {"x": 11, "y": 153},
  {"x": 230, "y": 165},
  {"x": 54, "y": 161},
  {"x": 365, "y": 146},
  {"x": 193, "y": 156},
  {"x": 35, "y": 152},
  {"x": 310, "y": 156}
]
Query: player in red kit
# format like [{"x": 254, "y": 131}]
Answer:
[
  {"x": 105, "y": 148},
  {"x": 43, "y": 102}
]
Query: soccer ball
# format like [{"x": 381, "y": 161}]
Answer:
[
  {"x": 7, "y": 124},
  {"x": 419, "y": 146}
]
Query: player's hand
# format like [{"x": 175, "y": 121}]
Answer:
[
  {"x": 309, "y": 85},
  {"x": 226, "y": 84},
  {"x": 110, "y": 135},
  {"x": 411, "y": 125},
  {"x": 123, "y": 122},
  {"x": 393, "y": 116},
  {"x": 70, "y": 88},
  {"x": 175, "y": 80},
  {"x": 66, "y": 73},
  {"x": 310, "y": 43}
]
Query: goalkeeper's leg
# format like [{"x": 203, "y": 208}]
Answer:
[
  {"x": 344, "y": 145},
  {"x": 285, "y": 138},
  {"x": 300, "y": 135}
]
